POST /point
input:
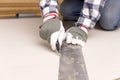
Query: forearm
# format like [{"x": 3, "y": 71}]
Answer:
[
  {"x": 90, "y": 13},
  {"x": 48, "y": 6}
]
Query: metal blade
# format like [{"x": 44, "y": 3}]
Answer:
[{"x": 72, "y": 65}]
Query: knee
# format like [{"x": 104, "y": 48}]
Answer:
[
  {"x": 108, "y": 28},
  {"x": 108, "y": 21}
]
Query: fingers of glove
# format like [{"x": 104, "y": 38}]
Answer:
[
  {"x": 57, "y": 36},
  {"x": 61, "y": 35},
  {"x": 53, "y": 40},
  {"x": 69, "y": 38},
  {"x": 73, "y": 41},
  {"x": 78, "y": 42}
]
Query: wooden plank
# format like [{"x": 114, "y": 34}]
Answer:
[
  {"x": 13, "y": 7},
  {"x": 7, "y": 15},
  {"x": 19, "y": 9},
  {"x": 19, "y": 5},
  {"x": 13, "y": 15},
  {"x": 19, "y": 1}
]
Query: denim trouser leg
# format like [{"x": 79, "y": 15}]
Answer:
[
  {"x": 119, "y": 24},
  {"x": 70, "y": 9},
  {"x": 110, "y": 18}
]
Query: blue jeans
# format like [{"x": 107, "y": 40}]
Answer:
[{"x": 110, "y": 17}]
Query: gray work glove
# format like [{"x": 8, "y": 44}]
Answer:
[
  {"x": 52, "y": 30},
  {"x": 76, "y": 35}
]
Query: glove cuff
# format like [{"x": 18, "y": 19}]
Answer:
[
  {"x": 84, "y": 29},
  {"x": 49, "y": 16}
]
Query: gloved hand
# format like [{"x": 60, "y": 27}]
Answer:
[
  {"x": 52, "y": 30},
  {"x": 77, "y": 35}
]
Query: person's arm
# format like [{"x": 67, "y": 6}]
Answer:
[
  {"x": 52, "y": 28},
  {"x": 49, "y": 6},
  {"x": 90, "y": 13}
]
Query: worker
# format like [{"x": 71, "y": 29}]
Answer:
[{"x": 85, "y": 13}]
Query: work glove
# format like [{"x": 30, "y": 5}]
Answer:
[
  {"x": 77, "y": 35},
  {"x": 52, "y": 30}
]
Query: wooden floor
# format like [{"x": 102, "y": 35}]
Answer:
[{"x": 12, "y": 9}]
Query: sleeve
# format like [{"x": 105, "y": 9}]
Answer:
[
  {"x": 90, "y": 13},
  {"x": 48, "y": 6}
]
